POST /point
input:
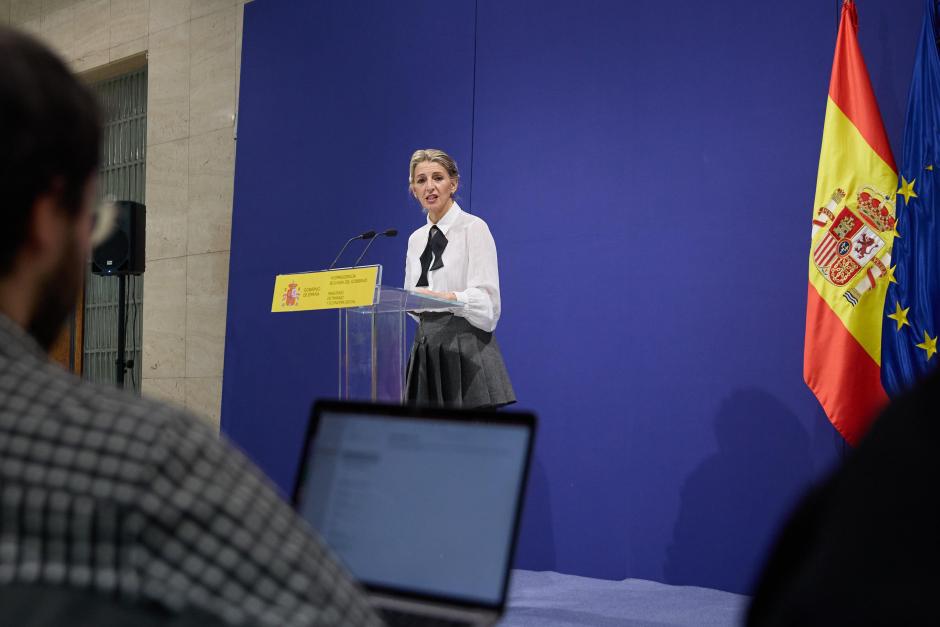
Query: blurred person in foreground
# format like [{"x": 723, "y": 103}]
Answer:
[
  {"x": 863, "y": 548},
  {"x": 104, "y": 495}
]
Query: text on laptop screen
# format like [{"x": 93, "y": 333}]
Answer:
[{"x": 426, "y": 506}]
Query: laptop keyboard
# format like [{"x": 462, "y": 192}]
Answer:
[{"x": 395, "y": 618}]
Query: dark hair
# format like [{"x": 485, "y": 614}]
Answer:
[{"x": 50, "y": 136}]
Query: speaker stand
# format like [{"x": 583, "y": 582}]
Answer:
[{"x": 122, "y": 330}]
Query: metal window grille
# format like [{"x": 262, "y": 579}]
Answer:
[{"x": 124, "y": 101}]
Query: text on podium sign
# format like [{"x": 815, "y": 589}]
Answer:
[{"x": 328, "y": 289}]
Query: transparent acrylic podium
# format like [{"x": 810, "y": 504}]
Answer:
[{"x": 372, "y": 346}]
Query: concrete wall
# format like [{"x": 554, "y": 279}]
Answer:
[{"x": 192, "y": 49}]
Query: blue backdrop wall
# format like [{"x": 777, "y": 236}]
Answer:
[{"x": 647, "y": 170}]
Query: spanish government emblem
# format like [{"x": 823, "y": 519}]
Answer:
[
  {"x": 291, "y": 296},
  {"x": 855, "y": 250}
]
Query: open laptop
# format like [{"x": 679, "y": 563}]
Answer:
[{"x": 421, "y": 505}]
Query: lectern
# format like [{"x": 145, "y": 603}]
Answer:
[{"x": 372, "y": 324}]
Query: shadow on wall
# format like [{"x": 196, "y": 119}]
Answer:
[
  {"x": 535, "y": 549},
  {"x": 733, "y": 503}
]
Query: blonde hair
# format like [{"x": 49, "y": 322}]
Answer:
[{"x": 436, "y": 156}]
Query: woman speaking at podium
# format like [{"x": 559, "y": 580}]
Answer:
[{"x": 455, "y": 359}]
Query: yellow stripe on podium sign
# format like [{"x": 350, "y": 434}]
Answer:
[{"x": 329, "y": 289}]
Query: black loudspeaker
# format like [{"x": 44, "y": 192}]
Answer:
[{"x": 123, "y": 251}]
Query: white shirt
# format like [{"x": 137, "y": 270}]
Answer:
[{"x": 470, "y": 268}]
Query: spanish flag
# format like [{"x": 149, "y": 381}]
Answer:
[{"x": 853, "y": 229}]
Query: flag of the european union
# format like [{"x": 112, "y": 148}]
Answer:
[{"x": 912, "y": 306}]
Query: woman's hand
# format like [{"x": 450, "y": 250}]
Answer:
[{"x": 442, "y": 295}]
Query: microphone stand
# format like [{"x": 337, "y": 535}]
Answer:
[
  {"x": 387, "y": 233},
  {"x": 367, "y": 235}
]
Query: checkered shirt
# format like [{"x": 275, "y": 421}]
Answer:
[{"x": 108, "y": 493}]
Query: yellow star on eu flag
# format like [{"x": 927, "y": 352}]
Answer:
[
  {"x": 894, "y": 230},
  {"x": 929, "y": 344},
  {"x": 890, "y": 274},
  {"x": 907, "y": 190},
  {"x": 900, "y": 315}
]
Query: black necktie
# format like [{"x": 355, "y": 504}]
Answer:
[{"x": 435, "y": 249}]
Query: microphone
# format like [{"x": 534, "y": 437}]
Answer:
[
  {"x": 386, "y": 233},
  {"x": 366, "y": 235}
]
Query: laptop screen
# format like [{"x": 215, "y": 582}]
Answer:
[{"x": 425, "y": 506}]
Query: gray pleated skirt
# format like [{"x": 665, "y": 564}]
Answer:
[{"x": 453, "y": 363}]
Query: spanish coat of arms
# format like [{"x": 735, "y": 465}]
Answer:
[
  {"x": 291, "y": 296},
  {"x": 856, "y": 241}
]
